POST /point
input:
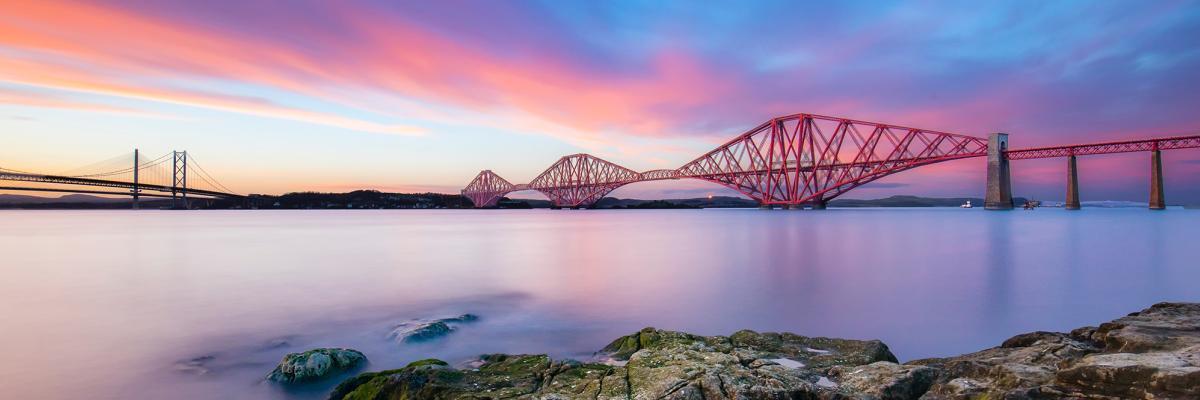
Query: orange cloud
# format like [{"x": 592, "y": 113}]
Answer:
[{"x": 121, "y": 52}]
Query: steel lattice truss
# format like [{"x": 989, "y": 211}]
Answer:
[
  {"x": 793, "y": 160},
  {"x": 580, "y": 180},
  {"x": 1169, "y": 143},
  {"x": 790, "y": 160},
  {"x": 806, "y": 158},
  {"x": 487, "y": 188}
]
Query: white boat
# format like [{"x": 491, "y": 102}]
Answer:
[{"x": 967, "y": 204}]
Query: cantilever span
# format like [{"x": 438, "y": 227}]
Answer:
[
  {"x": 808, "y": 159},
  {"x": 792, "y": 160}
]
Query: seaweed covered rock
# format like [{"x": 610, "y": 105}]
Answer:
[
  {"x": 315, "y": 364},
  {"x": 650, "y": 363},
  {"x": 1152, "y": 354}
]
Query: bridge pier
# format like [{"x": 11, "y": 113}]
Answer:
[
  {"x": 817, "y": 204},
  {"x": 1072, "y": 202},
  {"x": 999, "y": 179},
  {"x": 1157, "y": 201},
  {"x": 135, "y": 180}
]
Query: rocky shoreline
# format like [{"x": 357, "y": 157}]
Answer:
[{"x": 1150, "y": 354}]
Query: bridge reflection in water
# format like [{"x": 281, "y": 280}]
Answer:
[{"x": 804, "y": 160}]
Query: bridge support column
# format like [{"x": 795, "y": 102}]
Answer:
[
  {"x": 135, "y": 180},
  {"x": 1157, "y": 201},
  {"x": 1072, "y": 202},
  {"x": 999, "y": 179},
  {"x": 818, "y": 204}
]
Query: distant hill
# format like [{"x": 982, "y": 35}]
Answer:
[
  {"x": 69, "y": 198},
  {"x": 915, "y": 201},
  {"x": 737, "y": 202},
  {"x": 700, "y": 202}
]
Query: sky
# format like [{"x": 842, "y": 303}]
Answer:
[{"x": 279, "y": 96}]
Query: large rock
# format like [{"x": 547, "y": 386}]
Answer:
[
  {"x": 885, "y": 380},
  {"x": 315, "y": 364},
  {"x": 419, "y": 330},
  {"x": 1151, "y": 354},
  {"x": 649, "y": 364}
]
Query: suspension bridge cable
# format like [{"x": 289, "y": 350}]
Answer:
[
  {"x": 211, "y": 180},
  {"x": 120, "y": 162},
  {"x": 126, "y": 170}
]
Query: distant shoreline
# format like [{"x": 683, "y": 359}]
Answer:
[{"x": 369, "y": 199}]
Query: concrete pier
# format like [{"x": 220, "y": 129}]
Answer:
[
  {"x": 1157, "y": 201},
  {"x": 999, "y": 179},
  {"x": 818, "y": 204},
  {"x": 1072, "y": 202}
]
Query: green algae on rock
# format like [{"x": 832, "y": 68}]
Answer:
[
  {"x": 315, "y": 364},
  {"x": 658, "y": 364},
  {"x": 1152, "y": 354}
]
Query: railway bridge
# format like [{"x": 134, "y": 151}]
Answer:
[{"x": 804, "y": 160}]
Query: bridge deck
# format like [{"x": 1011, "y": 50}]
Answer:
[{"x": 67, "y": 180}]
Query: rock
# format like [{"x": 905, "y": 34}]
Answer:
[
  {"x": 419, "y": 331},
  {"x": 1163, "y": 326},
  {"x": 658, "y": 364},
  {"x": 315, "y": 364},
  {"x": 1168, "y": 375},
  {"x": 1154, "y": 353},
  {"x": 423, "y": 330},
  {"x": 461, "y": 318},
  {"x": 886, "y": 380},
  {"x": 196, "y": 365}
]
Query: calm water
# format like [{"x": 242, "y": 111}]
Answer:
[{"x": 117, "y": 304}]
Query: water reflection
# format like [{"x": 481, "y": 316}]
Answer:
[{"x": 201, "y": 305}]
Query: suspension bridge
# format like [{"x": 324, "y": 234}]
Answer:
[
  {"x": 804, "y": 160},
  {"x": 175, "y": 175}
]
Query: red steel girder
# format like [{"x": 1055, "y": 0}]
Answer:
[
  {"x": 1127, "y": 146},
  {"x": 579, "y": 180},
  {"x": 805, "y": 158},
  {"x": 487, "y": 188},
  {"x": 791, "y": 160}
]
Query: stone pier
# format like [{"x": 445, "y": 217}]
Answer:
[
  {"x": 1072, "y": 202},
  {"x": 1157, "y": 201},
  {"x": 818, "y": 204},
  {"x": 999, "y": 179}
]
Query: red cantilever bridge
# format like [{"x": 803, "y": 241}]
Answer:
[{"x": 806, "y": 160}]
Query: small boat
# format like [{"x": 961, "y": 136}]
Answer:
[{"x": 967, "y": 204}]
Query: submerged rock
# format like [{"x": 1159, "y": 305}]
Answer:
[
  {"x": 1152, "y": 354},
  {"x": 315, "y": 364},
  {"x": 423, "y": 330}
]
